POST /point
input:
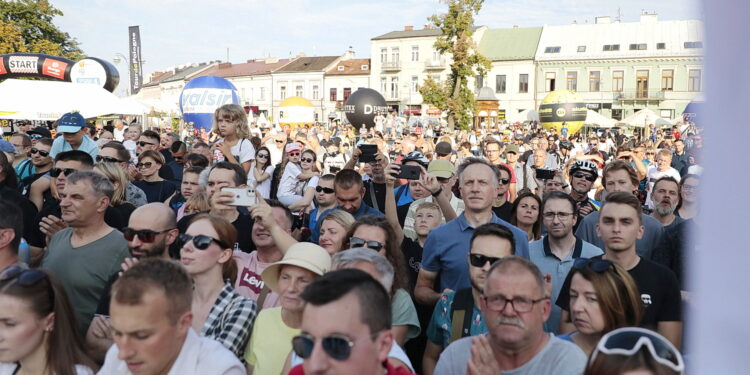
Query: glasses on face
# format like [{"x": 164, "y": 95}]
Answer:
[
  {"x": 35, "y": 136},
  {"x": 560, "y": 215},
  {"x": 200, "y": 241},
  {"x": 143, "y": 144},
  {"x": 479, "y": 260},
  {"x": 593, "y": 144},
  {"x": 628, "y": 341},
  {"x": 519, "y": 304},
  {"x": 326, "y": 190},
  {"x": 358, "y": 242},
  {"x": 294, "y": 154},
  {"x": 306, "y": 160},
  {"x": 338, "y": 347},
  {"x": 278, "y": 141},
  {"x": 144, "y": 235},
  {"x": 650, "y": 153},
  {"x": 587, "y": 176},
  {"x": 504, "y": 181},
  {"x": 106, "y": 159},
  {"x": 54, "y": 172},
  {"x": 146, "y": 165},
  {"x": 597, "y": 265},
  {"x": 262, "y": 156},
  {"x": 687, "y": 187},
  {"x": 42, "y": 153}
]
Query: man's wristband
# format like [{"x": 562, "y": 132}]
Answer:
[{"x": 437, "y": 192}]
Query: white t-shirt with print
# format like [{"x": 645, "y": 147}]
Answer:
[{"x": 243, "y": 150}]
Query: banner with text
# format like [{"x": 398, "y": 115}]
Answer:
[{"x": 136, "y": 71}]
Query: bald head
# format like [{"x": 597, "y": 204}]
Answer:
[{"x": 155, "y": 216}]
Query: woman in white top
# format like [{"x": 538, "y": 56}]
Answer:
[
  {"x": 230, "y": 122},
  {"x": 297, "y": 184},
  {"x": 38, "y": 330},
  {"x": 261, "y": 172}
]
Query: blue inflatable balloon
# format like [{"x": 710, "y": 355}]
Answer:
[{"x": 201, "y": 96}]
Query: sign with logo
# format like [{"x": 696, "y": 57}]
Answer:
[
  {"x": 94, "y": 71},
  {"x": 136, "y": 73},
  {"x": 39, "y": 65},
  {"x": 202, "y": 96},
  {"x": 23, "y": 64},
  {"x": 562, "y": 109},
  {"x": 593, "y": 106},
  {"x": 54, "y": 68},
  {"x": 362, "y": 107}
]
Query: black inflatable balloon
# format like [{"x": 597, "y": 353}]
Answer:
[{"x": 362, "y": 106}]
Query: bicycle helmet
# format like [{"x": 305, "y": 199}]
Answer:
[
  {"x": 585, "y": 166},
  {"x": 416, "y": 156}
]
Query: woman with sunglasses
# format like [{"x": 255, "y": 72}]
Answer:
[
  {"x": 156, "y": 188},
  {"x": 218, "y": 311},
  {"x": 374, "y": 232},
  {"x": 526, "y": 214},
  {"x": 260, "y": 172},
  {"x": 635, "y": 351},
  {"x": 38, "y": 330},
  {"x": 603, "y": 297},
  {"x": 333, "y": 230},
  {"x": 119, "y": 181},
  {"x": 297, "y": 185}
]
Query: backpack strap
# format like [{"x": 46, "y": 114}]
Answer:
[
  {"x": 262, "y": 297},
  {"x": 462, "y": 310}
]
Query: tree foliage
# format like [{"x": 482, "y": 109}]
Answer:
[
  {"x": 454, "y": 94},
  {"x": 26, "y": 26}
]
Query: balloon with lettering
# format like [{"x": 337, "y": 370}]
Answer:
[
  {"x": 201, "y": 96},
  {"x": 562, "y": 109},
  {"x": 362, "y": 107}
]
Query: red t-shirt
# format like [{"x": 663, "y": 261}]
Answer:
[{"x": 390, "y": 370}]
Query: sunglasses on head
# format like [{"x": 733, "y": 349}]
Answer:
[
  {"x": 106, "y": 159},
  {"x": 587, "y": 176},
  {"x": 35, "y": 150},
  {"x": 201, "y": 242},
  {"x": 324, "y": 190},
  {"x": 358, "y": 242},
  {"x": 54, "y": 172},
  {"x": 144, "y": 235},
  {"x": 262, "y": 156},
  {"x": 338, "y": 347},
  {"x": 142, "y": 143},
  {"x": 629, "y": 341},
  {"x": 479, "y": 260},
  {"x": 306, "y": 160},
  {"x": 597, "y": 265},
  {"x": 147, "y": 164}
]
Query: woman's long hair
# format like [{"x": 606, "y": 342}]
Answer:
[
  {"x": 114, "y": 173},
  {"x": 536, "y": 229},
  {"x": 268, "y": 161},
  {"x": 227, "y": 234}
]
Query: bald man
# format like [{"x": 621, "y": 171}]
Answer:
[{"x": 151, "y": 229}]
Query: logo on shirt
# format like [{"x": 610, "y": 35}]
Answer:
[
  {"x": 252, "y": 280},
  {"x": 646, "y": 298}
]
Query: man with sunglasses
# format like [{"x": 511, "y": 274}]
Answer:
[
  {"x": 325, "y": 197},
  {"x": 358, "y": 340},
  {"x": 73, "y": 128},
  {"x": 583, "y": 174},
  {"x": 457, "y": 314},
  {"x": 37, "y": 185}
]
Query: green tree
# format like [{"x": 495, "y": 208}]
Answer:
[
  {"x": 454, "y": 94},
  {"x": 26, "y": 26}
]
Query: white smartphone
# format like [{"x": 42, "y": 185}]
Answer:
[{"x": 243, "y": 196}]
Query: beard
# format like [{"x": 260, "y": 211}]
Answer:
[
  {"x": 665, "y": 210},
  {"x": 154, "y": 252}
]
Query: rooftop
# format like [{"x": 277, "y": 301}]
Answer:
[
  {"x": 350, "y": 67},
  {"x": 251, "y": 67},
  {"x": 181, "y": 74},
  {"x": 409, "y": 32},
  {"x": 308, "y": 64},
  {"x": 510, "y": 44}
]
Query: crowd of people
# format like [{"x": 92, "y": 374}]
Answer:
[{"x": 396, "y": 249}]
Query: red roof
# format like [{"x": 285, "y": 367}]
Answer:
[
  {"x": 350, "y": 67},
  {"x": 251, "y": 67}
]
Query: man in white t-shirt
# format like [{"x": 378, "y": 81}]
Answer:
[{"x": 662, "y": 169}]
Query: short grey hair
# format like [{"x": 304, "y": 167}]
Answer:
[
  {"x": 99, "y": 183},
  {"x": 514, "y": 263},
  {"x": 349, "y": 258},
  {"x": 474, "y": 160}
]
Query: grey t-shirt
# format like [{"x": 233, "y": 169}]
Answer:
[
  {"x": 644, "y": 247},
  {"x": 557, "y": 357},
  {"x": 84, "y": 270}
]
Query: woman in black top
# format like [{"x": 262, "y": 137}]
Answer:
[
  {"x": 117, "y": 177},
  {"x": 156, "y": 188}
]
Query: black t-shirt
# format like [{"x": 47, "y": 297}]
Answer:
[
  {"x": 504, "y": 212},
  {"x": 413, "y": 255},
  {"x": 156, "y": 191},
  {"x": 243, "y": 224},
  {"x": 402, "y": 211},
  {"x": 657, "y": 286},
  {"x": 379, "y": 190},
  {"x": 112, "y": 217},
  {"x": 28, "y": 210},
  {"x": 674, "y": 246},
  {"x": 125, "y": 210}
]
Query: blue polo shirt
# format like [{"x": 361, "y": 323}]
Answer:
[
  {"x": 364, "y": 209},
  {"x": 87, "y": 145},
  {"x": 315, "y": 221},
  {"x": 447, "y": 247}
]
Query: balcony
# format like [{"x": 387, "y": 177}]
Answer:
[
  {"x": 435, "y": 64},
  {"x": 638, "y": 95},
  {"x": 391, "y": 66}
]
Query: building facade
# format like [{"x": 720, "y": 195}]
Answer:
[
  {"x": 302, "y": 77},
  {"x": 343, "y": 79}
]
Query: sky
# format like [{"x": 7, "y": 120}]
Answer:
[{"x": 176, "y": 32}]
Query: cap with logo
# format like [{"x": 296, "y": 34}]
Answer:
[
  {"x": 304, "y": 255},
  {"x": 443, "y": 148},
  {"x": 71, "y": 122},
  {"x": 440, "y": 168}
]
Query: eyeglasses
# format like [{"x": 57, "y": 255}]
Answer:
[
  {"x": 358, "y": 242},
  {"x": 147, "y": 164},
  {"x": 630, "y": 340},
  {"x": 44, "y": 154},
  {"x": 650, "y": 153},
  {"x": 519, "y": 304},
  {"x": 262, "y": 156},
  {"x": 338, "y": 347},
  {"x": 479, "y": 260},
  {"x": 277, "y": 141},
  {"x": 597, "y": 265},
  {"x": 142, "y": 143},
  {"x": 593, "y": 144},
  {"x": 35, "y": 136},
  {"x": 144, "y": 235},
  {"x": 106, "y": 159},
  {"x": 200, "y": 241},
  {"x": 54, "y": 172},
  {"x": 689, "y": 187},
  {"x": 561, "y": 215},
  {"x": 306, "y": 160},
  {"x": 294, "y": 154},
  {"x": 587, "y": 176},
  {"x": 504, "y": 181},
  {"x": 326, "y": 190}
]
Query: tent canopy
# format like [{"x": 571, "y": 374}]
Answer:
[
  {"x": 643, "y": 118},
  {"x": 595, "y": 118},
  {"x": 525, "y": 115}
]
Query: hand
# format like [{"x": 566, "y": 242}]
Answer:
[
  {"x": 390, "y": 171},
  {"x": 51, "y": 225},
  {"x": 356, "y": 153},
  {"x": 224, "y": 148},
  {"x": 133, "y": 173},
  {"x": 221, "y": 200},
  {"x": 263, "y": 213},
  {"x": 127, "y": 264},
  {"x": 584, "y": 209},
  {"x": 429, "y": 181},
  {"x": 100, "y": 327},
  {"x": 482, "y": 360}
]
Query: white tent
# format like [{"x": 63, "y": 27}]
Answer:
[
  {"x": 525, "y": 115},
  {"x": 643, "y": 118},
  {"x": 49, "y": 100},
  {"x": 595, "y": 118}
]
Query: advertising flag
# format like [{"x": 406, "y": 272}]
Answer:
[{"x": 136, "y": 70}]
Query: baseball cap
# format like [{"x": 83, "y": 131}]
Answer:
[
  {"x": 443, "y": 148},
  {"x": 440, "y": 168},
  {"x": 512, "y": 148},
  {"x": 292, "y": 147},
  {"x": 41, "y": 130},
  {"x": 6, "y": 146},
  {"x": 302, "y": 254},
  {"x": 71, "y": 122}
]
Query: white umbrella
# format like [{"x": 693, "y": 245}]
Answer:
[
  {"x": 596, "y": 118},
  {"x": 643, "y": 118},
  {"x": 49, "y": 100},
  {"x": 526, "y": 115}
]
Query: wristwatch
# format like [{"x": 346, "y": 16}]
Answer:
[{"x": 437, "y": 192}]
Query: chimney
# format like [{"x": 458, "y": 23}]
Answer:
[
  {"x": 349, "y": 54},
  {"x": 649, "y": 17},
  {"x": 603, "y": 20},
  {"x": 408, "y": 28}
]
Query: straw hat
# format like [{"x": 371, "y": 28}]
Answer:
[{"x": 302, "y": 254}]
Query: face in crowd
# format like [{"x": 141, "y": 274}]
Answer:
[{"x": 479, "y": 187}]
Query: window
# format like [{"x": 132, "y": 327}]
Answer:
[
  {"x": 383, "y": 85},
  {"x": 364, "y": 67},
  {"x": 611, "y": 47},
  {"x": 638, "y": 47},
  {"x": 394, "y": 87},
  {"x": 340, "y": 68},
  {"x": 435, "y": 55},
  {"x": 549, "y": 84},
  {"x": 383, "y": 55},
  {"x": 595, "y": 81},
  {"x": 572, "y": 81},
  {"x": 552, "y": 50},
  {"x": 262, "y": 93},
  {"x": 661, "y": 46},
  {"x": 414, "y": 53},
  {"x": 667, "y": 80},
  {"x": 332, "y": 95},
  {"x": 523, "y": 83},
  {"x": 479, "y": 82},
  {"x": 435, "y": 77},
  {"x": 395, "y": 55},
  {"x": 282, "y": 92},
  {"x": 414, "y": 84},
  {"x": 500, "y": 83},
  {"x": 641, "y": 84},
  {"x": 618, "y": 80},
  {"x": 347, "y": 93},
  {"x": 315, "y": 92},
  {"x": 689, "y": 45},
  {"x": 694, "y": 80},
  {"x": 299, "y": 90},
  {"x": 581, "y": 48}
]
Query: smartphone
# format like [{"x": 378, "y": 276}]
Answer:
[
  {"x": 368, "y": 153},
  {"x": 545, "y": 174},
  {"x": 409, "y": 172},
  {"x": 244, "y": 197}
]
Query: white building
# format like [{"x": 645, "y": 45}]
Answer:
[
  {"x": 341, "y": 81},
  {"x": 302, "y": 77}
]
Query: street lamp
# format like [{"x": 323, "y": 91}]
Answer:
[{"x": 120, "y": 58}]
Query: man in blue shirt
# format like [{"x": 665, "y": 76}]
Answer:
[
  {"x": 350, "y": 190},
  {"x": 73, "y": 128},
  {"x": 326, "y": 200},
  {"x": 447, "y": 246}
]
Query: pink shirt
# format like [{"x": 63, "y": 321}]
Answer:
[{"x": 249, "y": 282}]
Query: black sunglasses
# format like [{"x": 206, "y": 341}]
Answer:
[
  {"x": 144, "y": 235},
  {"x": 307, "y": 160},
  {"x": 358, "y": 242},
  {"x": 597, "y": 265},
  {"x": 200, "y": 241},
  {"x": 147, "y": 164},
  {"x": 479, "y": 260},
  {"x": 40, "y": 152},
  {"x": 142, "y": 143},
  {"x": 338, "y": 347},
  {"x": 587, "y": 176},
  {"x": 262, "y": 156},
  {"x": 54, "y": 172},
  {"x": 324, "y": 190},
  {"x": 504, "y": 181},
  {"x": 106, "y": 159}
]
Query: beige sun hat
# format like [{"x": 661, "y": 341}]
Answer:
[{"x": 302, "y": 254}]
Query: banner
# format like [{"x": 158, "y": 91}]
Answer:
[{"x": 136, "y": 71}]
